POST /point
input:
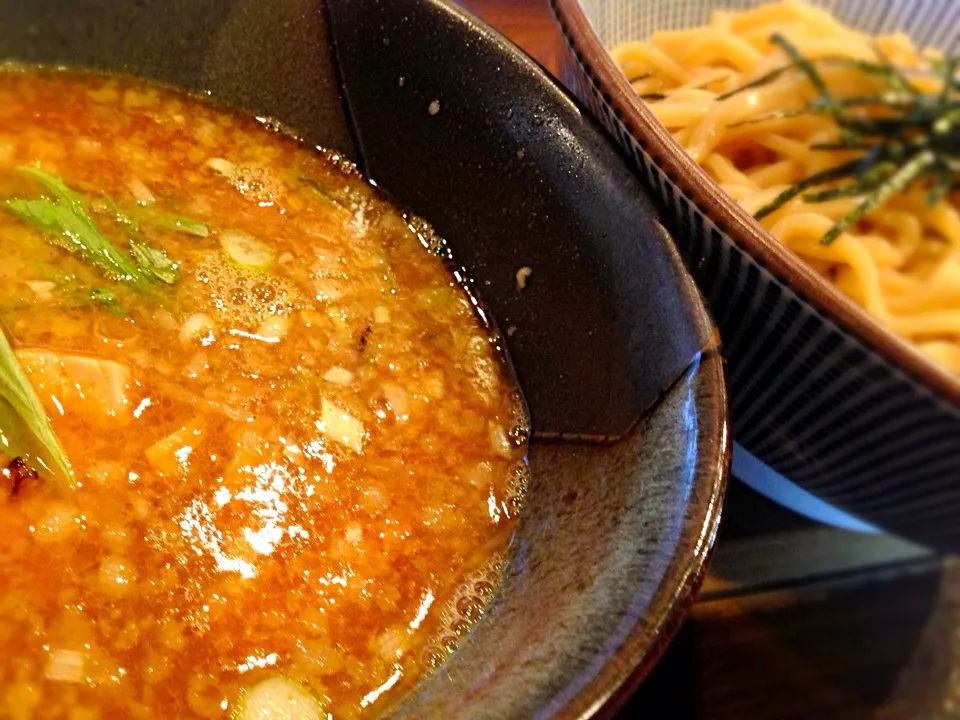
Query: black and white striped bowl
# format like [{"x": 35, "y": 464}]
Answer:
[{"x": 821, "y": 393}]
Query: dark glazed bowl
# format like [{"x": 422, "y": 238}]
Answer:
[
  {"x": 611, "y": 342},
  {"x": 821, "y": 393}
]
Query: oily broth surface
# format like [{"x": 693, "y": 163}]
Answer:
[{"x": 226, "y": 528}]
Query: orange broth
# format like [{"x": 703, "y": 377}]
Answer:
[{"x": 307, "y": 466}]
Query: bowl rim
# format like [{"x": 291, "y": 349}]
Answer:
[
  {"x": 745, "y": 232},
  {"x": 622, "y": 674}
]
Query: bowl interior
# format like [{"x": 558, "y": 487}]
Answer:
[{"x": 607, "y": 339}]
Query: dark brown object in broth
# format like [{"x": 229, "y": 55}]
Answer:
[{"x": 18, "y": 472}]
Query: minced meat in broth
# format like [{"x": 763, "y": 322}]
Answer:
[{"x": 297, "y": 457}]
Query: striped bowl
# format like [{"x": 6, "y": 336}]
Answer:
[{"x": 821, "y": 393}]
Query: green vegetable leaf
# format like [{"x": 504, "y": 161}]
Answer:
[
  {"x": 122, "y": 217},
  {"x": 162, "y": 219},
  {"x": 175, "y": 222},
  {"x": 25, "y": 429},
  {"x": 68, "y": 221},
  {"x": 154, "y": 263},
  {"x": 106, "y": 298},
  {"x": 75, "y": 298}
]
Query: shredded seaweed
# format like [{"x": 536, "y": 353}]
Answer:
[{"x": 912, "y": 137}]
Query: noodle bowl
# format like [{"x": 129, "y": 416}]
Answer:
[
  {"x": 902, "y": 261},
  {"x": 823, "y": 393}
]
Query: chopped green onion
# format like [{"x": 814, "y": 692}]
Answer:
[
  {"x": 245, "y": 250},
  {"x": 279, "y": 699}
]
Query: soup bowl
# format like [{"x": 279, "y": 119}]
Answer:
[
  {"x": 609, "y": 339},
  {"x": 826, "y": 403}
]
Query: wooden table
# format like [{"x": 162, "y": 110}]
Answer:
[{"x": 796, "y": 620}]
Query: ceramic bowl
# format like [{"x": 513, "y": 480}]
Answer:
[
  {"x": 821, "y": 394},
  {"x": 610, "y": 339}
]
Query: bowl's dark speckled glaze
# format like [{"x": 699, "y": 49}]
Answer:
[{"x": 608, "y": 339}]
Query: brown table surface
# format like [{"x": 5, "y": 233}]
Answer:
[{"x": 795, "y": 620}]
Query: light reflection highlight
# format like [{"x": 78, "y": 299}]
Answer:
[
  {"x": 254, "y": 662},
  {"x": 423, "y": 610},
  {"x": 199, "y": 529},
  {"x": 372, "y": 696},
  {"x": 144, "y": 404}
]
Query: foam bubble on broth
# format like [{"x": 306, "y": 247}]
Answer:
[
  {"x": 313, "y": 459},
  {"x": 466, "y": 606},
  {"x": 242, "y": 298}
]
